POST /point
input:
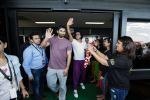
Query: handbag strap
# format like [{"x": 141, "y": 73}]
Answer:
[
  {"x": 14, "y": 74},
  {"x": 6, "y": 76}
]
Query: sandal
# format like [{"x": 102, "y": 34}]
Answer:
[{"x": 100, "y": 97}]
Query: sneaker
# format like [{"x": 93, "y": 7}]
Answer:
[
  {"x": 82, "y": 86},
  {"x": 75, "y": 93}
]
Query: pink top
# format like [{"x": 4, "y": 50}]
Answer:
[{"x": 58, "y": 52}]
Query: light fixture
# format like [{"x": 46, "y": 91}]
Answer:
[
  {"x": 94, "y": 22},
  {"x": 45, "y": 22}
]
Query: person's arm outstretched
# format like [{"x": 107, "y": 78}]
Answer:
[
  {"x": 100, "y": 53},
  {"x": 99, "y": 57},
  {"x": 69, "y": 23},
  {"x": 48, "y": 35}
]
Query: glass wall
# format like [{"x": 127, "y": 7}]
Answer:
[{"x": 140, "y": 33}]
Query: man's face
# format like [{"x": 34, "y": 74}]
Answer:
[
  {"x": 36, "y": 39},
  {"x": 61, "y": 32}
]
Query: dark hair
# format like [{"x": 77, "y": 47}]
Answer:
[
  {"x": 108, "y": 39},
  {"x": 32, "y": 34},
  {"x": 3, "y": 39},
  {"x": 80, "y": 34},
  {"x": 61, "y": 27},
  {"x": 128, "y": 46},
  {"x": 86, "y": 38}
]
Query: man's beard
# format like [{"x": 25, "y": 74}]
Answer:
[{"x": 61, "y": 36}]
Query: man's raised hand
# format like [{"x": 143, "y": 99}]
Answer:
[{"x": 49, "y": 32}]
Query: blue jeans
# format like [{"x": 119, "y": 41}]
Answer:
[
  {"x": 37, "y": 83},
  {"x": 118, "y": 94}
]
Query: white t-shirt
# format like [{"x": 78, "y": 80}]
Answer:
[{"x": 79, "y": 49}]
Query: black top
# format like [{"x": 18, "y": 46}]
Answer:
[
  {"x": 118, "y": 74},
  {"x": 103, "y": 68}
]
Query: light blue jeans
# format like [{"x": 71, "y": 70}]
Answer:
[
  {"x": 52, "y": 76},
  {"x": 118, "y": 94}
]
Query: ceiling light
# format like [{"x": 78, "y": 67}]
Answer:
[
  {"x": 45, "y": 22},
  {"x": 94, "y": 22}
]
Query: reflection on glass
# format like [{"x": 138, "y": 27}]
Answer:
[{"x": 140, "y": 33}]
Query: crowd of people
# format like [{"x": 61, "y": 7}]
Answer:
[{"x": 109, "y": 71}]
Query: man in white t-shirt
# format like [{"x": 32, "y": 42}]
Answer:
[{"x": 79, "y": 72}]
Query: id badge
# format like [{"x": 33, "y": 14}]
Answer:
[{"x": 13, "y": 93}]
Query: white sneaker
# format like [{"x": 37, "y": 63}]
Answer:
[
  {"x": 75, "y": 93},
  {"x": 82, "y": 86}
]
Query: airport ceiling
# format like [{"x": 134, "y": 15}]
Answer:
[
  {"x": 28, "y": 19},
  {"x": 129, "y": 1},
  {"x": 115, "y": 1}
]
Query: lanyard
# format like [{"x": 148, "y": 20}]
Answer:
[
  {"x": 6, "y": 76},
  {"x": 38, "y": 50}
]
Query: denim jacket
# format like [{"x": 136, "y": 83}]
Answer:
[
  {"x": 15, "y": 63},
  {"x": 5, "y": 84}
]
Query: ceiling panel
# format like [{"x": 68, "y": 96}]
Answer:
[{"x": 27, "y": 19}]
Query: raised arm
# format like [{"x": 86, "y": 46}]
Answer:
[
  {"x": 48, "y": 35},
  {"x": 100, "y": 54},
  {"x": 69, "y": 23}
]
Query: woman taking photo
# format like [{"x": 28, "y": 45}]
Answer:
[
  {"x": 119, "y": 66},
  {"x": 10, "y": 76}
]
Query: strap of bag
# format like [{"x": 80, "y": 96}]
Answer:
[
  {"x": 6, "y": 76},
  {"x": 14, "y": 74}
]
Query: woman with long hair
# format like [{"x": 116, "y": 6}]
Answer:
[{"x": 119, "y": 66}]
